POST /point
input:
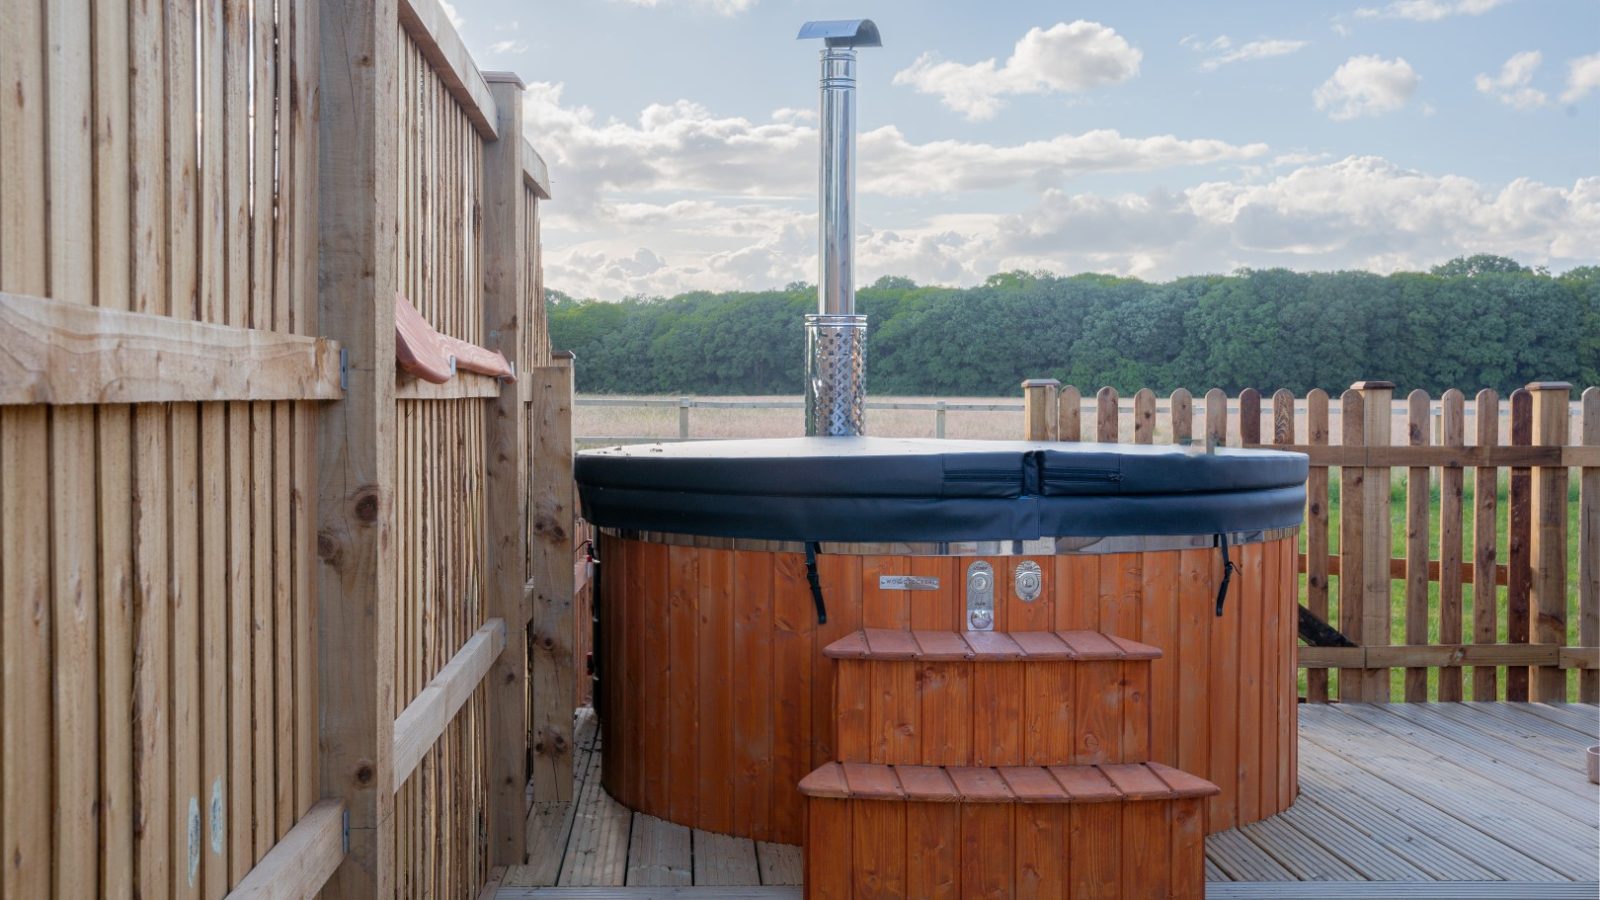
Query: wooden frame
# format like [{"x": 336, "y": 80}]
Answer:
[
  {"x": 550, "y": 550},
  {"x": 302, "y": 861},
  {"x": 427, "y": 24},
  {"x": 425, "y": 717},
  {"x": 62, "y": 353}
]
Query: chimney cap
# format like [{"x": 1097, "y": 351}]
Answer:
[{"x": 843, "y": 32}]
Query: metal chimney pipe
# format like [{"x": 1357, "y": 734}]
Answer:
[{"x": 836, "y": 336}]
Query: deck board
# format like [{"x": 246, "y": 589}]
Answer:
[{"x": 1395, "y": 799}]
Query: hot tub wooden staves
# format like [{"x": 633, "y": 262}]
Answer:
[{"x": 717, "y": 696}]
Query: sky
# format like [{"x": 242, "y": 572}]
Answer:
[{"x": 1150, "y": 139}]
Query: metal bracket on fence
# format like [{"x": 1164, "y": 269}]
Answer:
[{"x": 344, "y": 368}]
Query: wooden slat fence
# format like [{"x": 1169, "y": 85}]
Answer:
[
  {"x": 263, "y": 604},
  {"x": 1444, "y": 578}
]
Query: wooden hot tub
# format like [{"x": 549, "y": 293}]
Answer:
[{"x": 715, "y": 695}]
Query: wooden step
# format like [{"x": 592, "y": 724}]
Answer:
[
  {"x": 1115, "y": 831},
  {"x": 986, "y": 646},
  {"x": 947, "y": 698}
]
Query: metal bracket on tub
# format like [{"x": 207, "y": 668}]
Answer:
[
  {"x": 980, "y": 597},
  {"x": 1030, "y": 581}
]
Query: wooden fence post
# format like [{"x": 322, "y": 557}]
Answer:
[
  {"x": 357, "y": 200},
  {"x": 550, "y": 516},
  {"x": 1551, "y": 403},
  {"x": 505, "y": 470},
  {"x": 1040, "y": 414},
  {"x": 1589, "y": 548},
  {"x": 1377, "y": 404}
]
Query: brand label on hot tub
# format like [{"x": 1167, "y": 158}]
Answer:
[{"x": 907, "y": 583}]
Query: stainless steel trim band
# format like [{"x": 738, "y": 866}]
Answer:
[{"x": 1049, "y": 546}]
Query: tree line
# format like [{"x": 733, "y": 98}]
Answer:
[{"x": 1474, "y": 322}]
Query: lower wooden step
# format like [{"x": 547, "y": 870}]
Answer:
[
  {"x": 946, "y": 698},
  {"x": 1130, "y": 831}
]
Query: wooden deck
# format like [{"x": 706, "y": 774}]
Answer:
[{"x": 1394, "y": 799}]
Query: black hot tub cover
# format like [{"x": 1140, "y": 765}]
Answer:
[{"x": 906, "y": 489}]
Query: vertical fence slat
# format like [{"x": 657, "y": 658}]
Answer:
[
  {"x": 1069, "y": 416},
  {"x": 1376, "y": 535},
  {"x": 1418, "y": 431},
  {"x": 1180, "y": 416},
  {"x": 1519, "y": 574},
  {"x": 1485, "y": 546},
  {"x": 1106, "y": 415},
  {"x": 1249, "y": 416},
  {"x": 1452, "y": 434},
  {"x": 1352, "y": 505},
  {"x": 1216, "y": 418},
  {"x": 1548, "y": 547},
  {"x": 1589, "y": 548},
  {"x": 1317, "y": 533},
  {"x": 1041, "y": 410},
  {"x": 1144, "y": 416}
]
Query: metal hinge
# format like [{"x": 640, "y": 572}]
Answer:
[
  {"x": 344, "y": 369},
  {"x": 345, "y": 826}
]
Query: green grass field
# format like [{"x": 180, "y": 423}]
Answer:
[{"x": 1397, "y": 507}]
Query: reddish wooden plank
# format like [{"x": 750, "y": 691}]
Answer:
[
  {"x": 1033, "y": 784},
  {"x": 1249, "y": 672},
  {"x": 887, "y": 643},
  {"x": 841, "y": 586},
  {"x": 1192, "y": 700},
  {"x": 994, "y": 646},
  {"x": 1420, "y": 414},
  {"x": 940, "y": 609},
  {"x": 1147, "y": 873},
  {"x": 1092, "y": 645},
  {"x": 1136, "y": 781},
  {"x": 1317, "y": 533},
  {"x": 1047, "y": 731},
  {"x": 927, "y": 784},
  {"x": 1121, "y": 579},
  {"x": 852, "y": 707},
  {"x": 1485, "y": 544},
  {"x": 827, "y": 852},
  {"x": 1222, "y": 707},
  {"x": 851, "y": 646},
  {"x": 945, "y": 692},
  {"x": 1097, "y": 712},
  {"x": 1352, "y": 515},
  {"x": 933, "y": 850},
  {"x": 1181, "y": 783},
  {"x": 1134, "y": 745},
  {"x": 752, "y": 723},
  {"x": 868, "y": 781},
  {"x": 986, "y": 835},
  {"x": 1076, "y": 588},
  {"x": 1095, "y": 836},
  {"x": 669, "y": 688},
  {"x": 1188, "y": 860},
  {"x": 1158, "y": 626},
  {"x": 941, "y": 646},
  {"x": 1454, "y": 434},
  {"x": 895, "y": 711},
  {"x": 794, "y": 625},
  {"x": 980, "y": 784},
  {"x": 1288, "y": 677},
  {"x": 880, "y": 608},
  {"x": 716, "y": 689},
  {"x": 997, "y": 714},
  {"x": 826, "y": 780},
  {"x": 878, "y": 859},
  {"x": 1041, "y": 851},
  {"x": 1042, "y": 645},
  {"x": 1086, "y": 784},
  {"x": 1273, "y": 687},
  {"x": 1030, "y": 615}
]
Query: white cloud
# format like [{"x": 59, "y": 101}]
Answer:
[
  {"x": 1065, "y": 58},
  {"x": 720, "y": 7},
  {"x": 1512, "y": 85},
  {"x": 1583, "y": 76},
  {"x": 684, "y": 147},
  {"x": 1366, "y": 86},
  {"x": 450, "y": 13},
  {"x": 1197, "y": 43},
  {"x": 509, "y": 46},
  {"x": 1262, "y": 49},
  {"x": 1429, "y": 10}
]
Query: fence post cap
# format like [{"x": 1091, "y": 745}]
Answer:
[
  {"x": 1550, "y": 386},
  {"x": 505, "y": 78},
  {"x": 1372, "y": 386},
  {"x": 1040, "y": 382}
]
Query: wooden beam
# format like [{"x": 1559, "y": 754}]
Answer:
[
  {"x": 1551, "y": 426},
  {"x": 551, "y": 520},
  {"x": 357, "y": 201},
  {"x": 426, "y": 23},
  {"x": 302, "y": 861},
  {"x": 418, "y": 727},
  {"x": 1397, "y": 569},
  {"x": 1448, "y": 656},
  {"x": 534, "y": 171},
  {"x": 71, "y": 353},
  {"x": 464, "y": 386},
  {"x": 1446, "y": 457},
  {"x": 505, "y": 447}
]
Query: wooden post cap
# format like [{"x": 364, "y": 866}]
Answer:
[
  {"x": 563, "y": 354},
  {"x": 1040, "y": 383},
  {"x": 1550, "y": 386},
  {"x": 1372, "y": 386}
]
